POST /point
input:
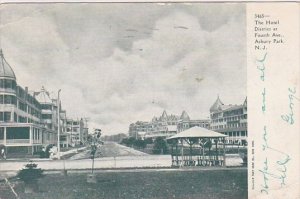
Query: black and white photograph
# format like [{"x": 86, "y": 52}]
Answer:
[{"x": 123, "y": 101}]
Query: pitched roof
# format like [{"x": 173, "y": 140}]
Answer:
[
  {"x": 233, "y": 107},
  {"x": 43, "y": 96},
  {"x": 164, "y": 114},
  {"x": 184, "y": 116},
  {"x": 217, "y": 105},
  {"x": 197, "y": 132},
  {"x": 5, "y": 69},
  {"x": 245, "y": 102}
]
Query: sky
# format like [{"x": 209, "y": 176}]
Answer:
[{"x": 120, "y": 63}]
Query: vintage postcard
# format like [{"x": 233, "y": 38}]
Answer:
[{"x": 152, "y": 100}]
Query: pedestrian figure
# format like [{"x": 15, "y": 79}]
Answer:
[{"x": 3, "y": 155}]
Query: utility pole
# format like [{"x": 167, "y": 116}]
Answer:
[{"x": 58, "y": 126}]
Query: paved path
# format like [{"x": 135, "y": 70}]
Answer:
[
  {"x": 112, "y": 149},
  {"x": 109, "y": 149},
  {"x": 110, "y": 156},
  {"x": 10, "y": 168}
]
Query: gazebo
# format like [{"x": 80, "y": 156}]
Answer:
[{"x": 198, "y": 147}]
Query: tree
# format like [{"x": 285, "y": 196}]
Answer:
[
  {"x": 140, "y": 144},
  {"x": 148, "y": 141},
  {"x": 131, "y": 141},
  {"x": 160, "y": 146}
]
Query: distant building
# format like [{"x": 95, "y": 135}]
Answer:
[
  {"x": 185, "y": 122},
  {"x": 84, "y": 130},
  {"x": 48, "y": 108},
  {"x": 135, "y": 129},
  {"x": 230, "y": 120},
  {"x": 164, "y": 126},
  {"x": 77, "y": 130}
]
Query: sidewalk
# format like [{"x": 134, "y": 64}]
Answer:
[{"x": 35, "y": 159}]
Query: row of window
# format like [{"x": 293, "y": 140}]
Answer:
[
  {"x": 74, "y": 129},
  {"x": 236, "y": 134},
  {"x": 22, "y": 94},
  {"x": 8, "y": 99},
  {"x": 8, "y": 84},
  {"x": 15, "y": 133},
  {"x": 233, "y": 112},
  {"x": 7, "y": 117},
  {"x": 11, "y": 99},
  {"x": 72, "y": 123},
  {"x": 230, "y": 125},
  {"x": 230, "y": 119}
]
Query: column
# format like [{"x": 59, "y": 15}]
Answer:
[
  {"x": 224, "y": 153},
  {"x": 4, "y": 138},
  {"x": 30, "y": 135}
]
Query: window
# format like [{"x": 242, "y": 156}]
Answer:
[
  {"x": 9, "y": 99},
  {"x": 22, "y": 106},
  {"x": 46, "y": 116},
  {"x": 17, "y": 132},
  {"x": 22, "y": 119},
  {"x": 7, "y": 116},
  {"x": 46, "y": 106},
  {"x": 1, "y": 133},
  {"x": 7, "y": 83},
  {"x": 243, "y": 133},
  {"x": 15, "y": 117}
]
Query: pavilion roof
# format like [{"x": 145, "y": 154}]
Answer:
[{"x": 197, "y": 132}]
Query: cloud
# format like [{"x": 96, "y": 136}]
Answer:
[{"x": 119, "y": 65}]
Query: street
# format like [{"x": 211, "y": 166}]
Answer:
[{"x": 109, "y": 149}]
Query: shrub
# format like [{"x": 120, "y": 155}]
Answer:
[{"x": 30, "y": 173}]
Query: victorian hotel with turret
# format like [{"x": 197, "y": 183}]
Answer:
[
  {"x": 29, "y": 120},
  {"x": 228, "y": 119}
]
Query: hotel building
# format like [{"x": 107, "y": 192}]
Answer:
[
  {"x": 230, "y": 120},
  {"x": 164, "y": 126},
  {"x": 185, "y": 122},
  {"x": 21, "y": 127},
  {"x": 28, "y": 120}
]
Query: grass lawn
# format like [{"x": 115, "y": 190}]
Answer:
[{"x": 196, "y": 184}]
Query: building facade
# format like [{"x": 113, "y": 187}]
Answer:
[
  {"x": 230, "y": 120},
  {"x": 21, "y": 126},
  {"x": 29, "y": 120},
  {"x": 77, "y": 130},
  {"x": 185, "y": 122},
  {"x": 164, "y": 126}
]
